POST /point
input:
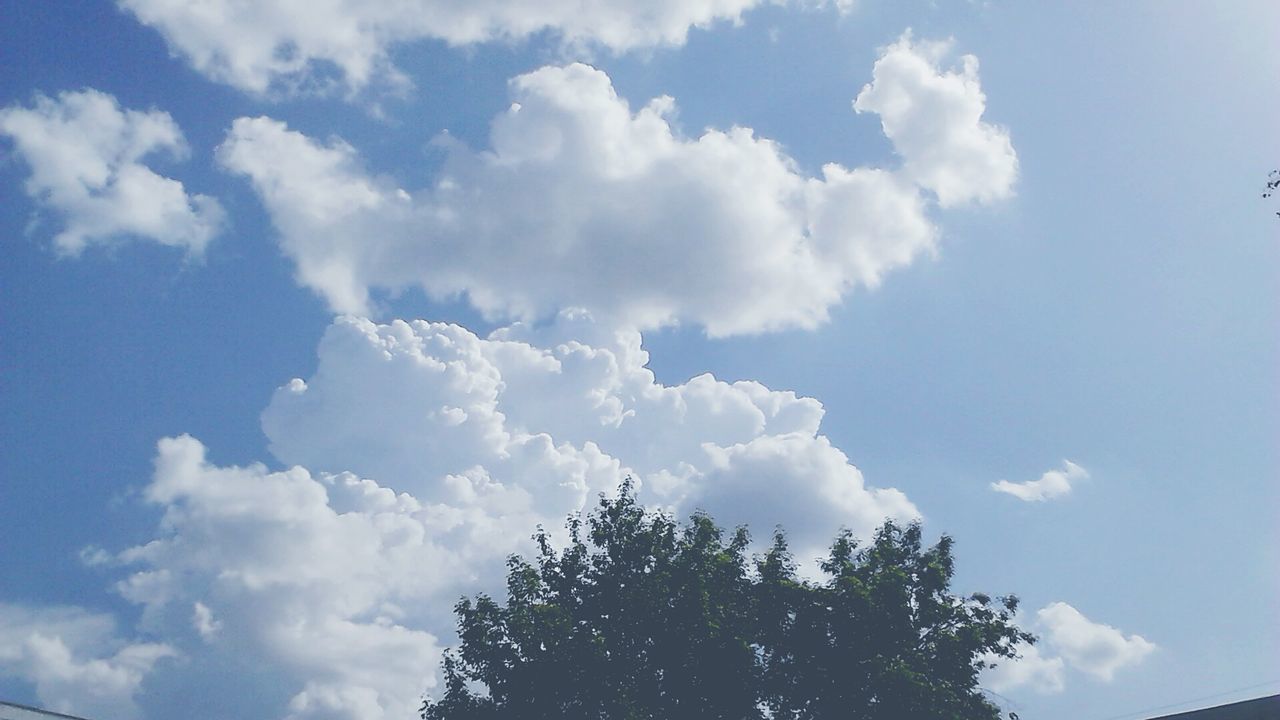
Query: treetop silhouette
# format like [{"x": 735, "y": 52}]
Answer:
[{"x": 640, "y": 617}]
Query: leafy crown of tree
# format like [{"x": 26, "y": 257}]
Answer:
[
  {"x": 1273, "y": 184},
  {"x": 648, "y": 619}
]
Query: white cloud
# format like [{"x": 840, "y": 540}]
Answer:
[
  {"x": 1067, "y": 639},
  {"x": 297, "y": 44},
  {"x": 1031, "y": 669},
  {"x": 343, "y": 586},
  {"x": 324, "y": 579},
  {"x": 1097, "y": 649},
  {"x": 203, "y": 621},
  {"x": 1052, "y": 484},
  {"x": 934, "y": 119},
  {"x": 582, "y": 202},
  {"x": 86, "y": 154},
  {"x": 74, "y": 659},
  {"x": 561, "y": 418}
]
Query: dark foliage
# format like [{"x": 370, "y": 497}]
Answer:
[
  {"x": 1273, "y": 184},
  {"x": 645, "y": 619}
]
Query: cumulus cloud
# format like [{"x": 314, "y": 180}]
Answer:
[
  {"x": 1031, "y": 669},
  {"x": 1097, "y": 649},
  {"x": 75, "y": 659},
  {"x": 1067, "y": 639},
  {"x": 295, "y": 44},
  {"x": 583, "y": 202},
  {"x": 1052, "y": 484},
  {"x": 318, "y": 577},
  {"x": 561, "y": 412},
  {"x": 342, "y": 585},
  {"x": 86, "y": 157},
  {"x": 934, "y": 119},
  {"x": 420, "y": 453}
]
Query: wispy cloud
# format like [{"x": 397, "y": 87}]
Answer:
[
  {"x": 1053, "y": 484},
  {"x": 75, "y": 659}
]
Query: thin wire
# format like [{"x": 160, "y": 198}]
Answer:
[
  {"x": 1192, "y": 700},
  {"x": 1007, "y": 701}
]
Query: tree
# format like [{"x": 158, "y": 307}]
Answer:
[
  {"x": 1273, "y": 184},
  {"x": 647, "y": 619}
]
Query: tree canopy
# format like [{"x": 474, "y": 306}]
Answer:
[
  {"x": 1273, "y": 185},
  {"x": 640, "y": 617}
]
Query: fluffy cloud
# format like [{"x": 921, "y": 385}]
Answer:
[
  {"x": 323, "y": 594},
  {"x": 560, "y": 413},
  {"x": 321, "y": 578},
  {"x": 583, "y": 202},
  {"x": 342, "y": 585},
  {"x": 1067, "y": 639},
  {"x": 75, "y": 659},
  {"x": 935, "y": 122},
  {"x": 1052, "y": 484},
  {"x": 1031, "y": 669},
  {"x": 1097, "y": 649},
  {"x": 293, "y": 44},
  {"x": 86, "y": 153}
]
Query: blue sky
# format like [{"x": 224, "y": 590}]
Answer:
[{"x": 1054, "y": 253}]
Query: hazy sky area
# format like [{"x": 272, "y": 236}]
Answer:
[{"x": 311, "y": 311}]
